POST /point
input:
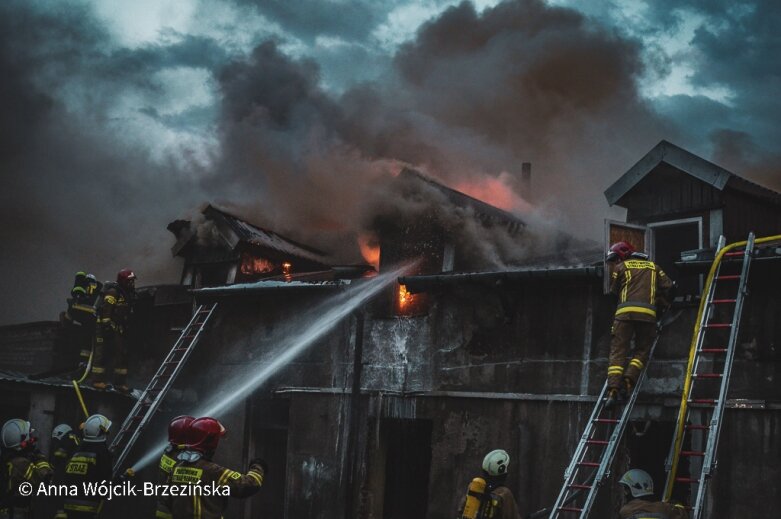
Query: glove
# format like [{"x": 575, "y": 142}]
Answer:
[
  {"x": 261, "y": 462},
  {"x": 127, "y": 475}
]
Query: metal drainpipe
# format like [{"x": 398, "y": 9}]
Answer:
[{"x": 352, "y": 441}]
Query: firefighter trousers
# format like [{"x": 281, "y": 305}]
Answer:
[
  {"x": 644, "y": 333},
  {"x": 110, "y": 347}
]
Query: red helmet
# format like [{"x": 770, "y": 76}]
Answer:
[
  {"x": 126, "y": 278},
  {"x": 177, "y": 429},
  {"x": 621, "y": 250},
  {"x": 203, "y": 434}
]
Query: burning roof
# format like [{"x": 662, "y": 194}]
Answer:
[{"x": 235, "y": 232}]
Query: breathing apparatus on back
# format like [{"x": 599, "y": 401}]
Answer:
[{"x": 480, "y": 504}]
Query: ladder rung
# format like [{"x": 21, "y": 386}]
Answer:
[
  {"x": 606, "y": 420},
  {"x": 588, "y": 463},
  {"x": 735, "y": 253},
  {"x": 707, "y": 375},
  {"x": 692, "y": 453},
  {"x": 713, "y": 350},
  {"x": 597, "y": 442},
  {"x": 705, "y": 401},
  {"x": 570, "y": 509},
  {"x": 687, "y": 480},
  {"x": 723, "y": 301},
  {"x": 181, "y": 349},
  {"x": 697, "y": 427},
  {"x": 718, "y": 325},
  {"x": 729, "y": 276},
  {"x": 580, "y": 486}
]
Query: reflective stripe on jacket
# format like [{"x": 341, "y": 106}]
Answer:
[{"x": 641, "y": 286}]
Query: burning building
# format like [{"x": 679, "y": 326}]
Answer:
[{"x": 390, "y": 412}]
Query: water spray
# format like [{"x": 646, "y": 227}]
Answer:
[{"x": 325, "y": 317}]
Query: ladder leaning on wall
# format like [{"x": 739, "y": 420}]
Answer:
[
  {"x": 158, "y": 387},
  {"x": 705, "y": 387}
]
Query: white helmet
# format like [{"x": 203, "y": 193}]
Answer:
[
  {"x": 639, "y": 482},
  {"x": 95, "y": 428},
  {"x": 495, "y": 462},
  {"x": 16, "y": 434},
  {"x": 61, "y": 431}
]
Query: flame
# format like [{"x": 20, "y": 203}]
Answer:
[
  {"x": 405, "y": 298},
  {"x": 287, "y": 270},
  {"x": 252, "y": 265},
  {"x": 496, "y": 191},
  {"x": 370, "y": 249}
]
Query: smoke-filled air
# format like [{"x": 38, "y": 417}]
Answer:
[{"x": 117, "y": 118}]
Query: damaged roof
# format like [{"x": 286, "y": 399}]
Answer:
[
  {"x": 234, "y": 231},
  {"x": 483, "y": 210},
  {"x": 691, "y": 164},
  {"x": 266, "y": 285}
]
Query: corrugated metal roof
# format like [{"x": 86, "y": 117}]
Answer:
[
  {"x": 255, "y": 235},
  {"x": 691, "y": 164},
  {"x": 260, "y": 286},
  {"x": 421, "y": 283},
  {"x": 59, "y": 382}
]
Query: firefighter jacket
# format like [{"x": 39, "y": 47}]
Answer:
[
  {"x": 113, "y": 310},
  {"x": 91, "y": 463},
  {"x": 62, "y": 450},
  {"x": 635, "y": 509},
  {"x": 20, "y": 466},
  {"x": 81, "y": 309},
  {"x": 166, "y": 466},
  {"x": 641, "y": 287},
  {"x": 192, "y": 469}
]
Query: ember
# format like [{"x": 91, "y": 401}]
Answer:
[{"x": 287, "y": 270}]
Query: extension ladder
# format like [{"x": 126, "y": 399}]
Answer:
[
  {"x": 595, "y": 451},
  {"x": 705, "y": 387},
  {"x": 155, "y": 392}
]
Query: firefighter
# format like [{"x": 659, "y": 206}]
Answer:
[
  {"x": 22, "y": 463},
  {"x": 64, "y": 444},
  {"x": 195, "y": 466},
  {"x": 642, "y": 288},
  {"x": 487, "y": 496},
  {"x": 177, "y": 431},
  {"x": 113, "y": 311},
  {"x": 91, "y": 463},
  {"x": 640, "y": 501},
  {"x": 78, "y": 320}
]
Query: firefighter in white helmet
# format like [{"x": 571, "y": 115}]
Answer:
[
  {"x": 91, "y": 463},
  {"x": 487, "y": 496},
  {"x": 22, "y": 463},
  {"x": 643, "y": 503}
]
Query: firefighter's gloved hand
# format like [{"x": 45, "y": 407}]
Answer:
[{"x": 261, "y": 462}]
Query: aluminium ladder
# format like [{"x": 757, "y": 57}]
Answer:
[
  {"x": 595, "y": 451},
  {"x": 155, "y": 392},
  {"x": 705, "y": 387}
]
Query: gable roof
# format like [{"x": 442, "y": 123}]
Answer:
[
  {"x": 234, "y": 231},
  {"x": 690, "y": 164}
]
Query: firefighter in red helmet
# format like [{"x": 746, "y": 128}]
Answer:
[
  {"x": 195, "y": 466},
  {"x": 642, "y": 288},
  {"x": 177, "y": 436},
  {"x": 113, "y": 311}
]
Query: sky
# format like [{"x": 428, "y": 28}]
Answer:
[{"x": 118, "y": 117}]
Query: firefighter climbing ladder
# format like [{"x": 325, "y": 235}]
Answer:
[
  {"x": 155, "y": 392},
  {"x": 708, "y": 351},
  {"x": 594, "y": 454}
]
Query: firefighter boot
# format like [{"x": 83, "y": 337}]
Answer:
[
  {"x": 612, "y": 398},
  {"x": 626, "y": 388}
]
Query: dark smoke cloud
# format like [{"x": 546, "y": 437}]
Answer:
[
  {"x": 468, "y": 99},
  {"x": 472, "y": 96}
]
